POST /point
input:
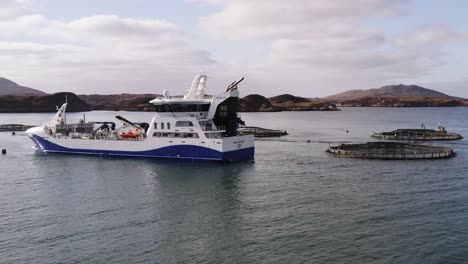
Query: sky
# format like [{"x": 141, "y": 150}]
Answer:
[{"x": 310, "y": 48}]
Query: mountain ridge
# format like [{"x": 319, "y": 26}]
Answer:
[
  {"x": 283, "y": 102},
  {"x": 41, "y": 103},
  {"x": 8, "y": 87},
  {"x": 399, "y": 90},
  {"x": 24, "y": 99}
]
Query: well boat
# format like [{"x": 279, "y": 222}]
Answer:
[{"x": 195, "y": 126}]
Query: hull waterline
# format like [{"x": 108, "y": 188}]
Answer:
[{"x": 183, "y": 152}]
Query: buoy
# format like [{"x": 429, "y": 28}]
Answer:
[
  {"x": 308, "y": 141},
  {"x": 347, "y": 131},
  {"x": 13, "y": 133},
  {"x": 3, "y": 151}
]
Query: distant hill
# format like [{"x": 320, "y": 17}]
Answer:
[
  {"x": 390, "y": 91},
  {"x": 287, "y": 98},
  {"x": 415, "y": 101},
  {"x": 284, "y": 102},
  {"x": 256, "y": 103},
  {"x": 116, "y": 102},
  {"x": 8, "y": 87},
  {"x": 41, "y": 103},
  {"x": 140, "y": 102}
]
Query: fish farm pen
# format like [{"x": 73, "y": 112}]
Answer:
[
  {"x": 14, "y": 128},
  {"x": 261, "y": 132},
  {"x": 390, "y": 151},
  {"x": 418, "y": 135}
]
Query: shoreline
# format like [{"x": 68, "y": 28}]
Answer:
[{"x": 280, "y": 111}]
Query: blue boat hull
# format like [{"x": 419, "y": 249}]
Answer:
[{"x": 186, "y": 152}]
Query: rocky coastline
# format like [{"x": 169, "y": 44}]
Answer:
[
  {"x": 18, "y": 99},
  {"x": 402, "y": 102},
  {"x": 140, "y": 102}
]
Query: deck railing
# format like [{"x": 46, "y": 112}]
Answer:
[{"x": 219, "y": 128}]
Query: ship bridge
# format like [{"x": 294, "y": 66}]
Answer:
[{"x": 221, "y": 109}]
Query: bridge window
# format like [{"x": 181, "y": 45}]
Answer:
[
  {"x": 175, "y": 107},
  {"x": 184, "y": 124},
  {"x": 162, "y": 125},
  {"x": 223, "y": 111},
  {"x": 167, "y": 108},
  {"x": 192, "y": 108},
  {"x": 164, "y": 108},
  {"x": 155, "y": 125},
  {"x": 159, "y": 108},
  {"x": 168, "y": 125}
]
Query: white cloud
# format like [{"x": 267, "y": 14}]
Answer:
[
  {"x": 103, "y": 53},
  {"x": 297, "y": 19},
  {"x": 305, "y": 47},
  {"x": 12, "y": 8},
  {"x": 430, "y": 36},
  {"x": 320, "y": 47}
]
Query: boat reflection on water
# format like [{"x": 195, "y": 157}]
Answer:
[
  {"x": 201, "y": 208},
  {"x": 190, "y": 209}
]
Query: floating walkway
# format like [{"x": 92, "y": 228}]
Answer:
[
  {"x": 418, "y": 135},
  {"x": 14, "y": 128},
  {"x": 391, "y": 151},
  {"x": 261, "y": 132}
]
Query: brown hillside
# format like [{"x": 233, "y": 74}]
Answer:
[
  {"x": 287, "y": 98},
  {"x": 390, "y": 91},
  {"x": 402, "y": 102},
  {"x": 256, "y": 103},
  {"x": 8, "y": 87},
  {"x": 116, "y": 102},
  {"x": 41, "y": 103}
]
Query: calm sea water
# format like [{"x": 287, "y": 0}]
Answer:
[{"x": 294, "y": 204}]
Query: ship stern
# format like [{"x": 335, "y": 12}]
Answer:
[{"x": 238, "y": 148}]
